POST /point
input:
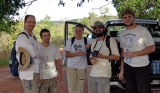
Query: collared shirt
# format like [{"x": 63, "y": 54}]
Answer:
[{"x": 32, "y": 46}]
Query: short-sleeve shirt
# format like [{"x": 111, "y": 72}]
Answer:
[
  {"x": 135, "y": 40},
  {"x": 103, "y": 67},
  {"x": 48, "y": 57},
  {"x": 78, "y": 62}
]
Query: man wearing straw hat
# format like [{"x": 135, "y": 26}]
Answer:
[{"x": 29, "y": 65}]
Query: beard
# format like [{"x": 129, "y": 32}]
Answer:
[
  {"x": 130, "y": 24},
  {"x": 99, "y": 34}
]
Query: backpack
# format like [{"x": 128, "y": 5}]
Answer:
[
  {"x": 88, "y": 51},
  {"x": 13, "y": 60},
  {"x": 114, "y": 64}
]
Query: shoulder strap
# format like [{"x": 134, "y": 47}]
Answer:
[
  {"x": 26, "y": 35},
  {"x": 72, "y": 40},
  {"x": 23, "y": 33},
  {"x": 108, "y": 44},
  {"x": 34, "y": 38},
  {"x": 85, "y": 40}
]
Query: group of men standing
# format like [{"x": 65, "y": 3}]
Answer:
[
  {"x": 46, "y": 67},
  {"x": 136, "y": 43}
]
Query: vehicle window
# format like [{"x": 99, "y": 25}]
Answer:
[{"x": 115, "y": 29}]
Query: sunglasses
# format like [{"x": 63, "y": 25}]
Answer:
[{"x": 97, "y": 27}]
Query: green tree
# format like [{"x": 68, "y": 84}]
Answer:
[
  {"x": 56, "y": 30},
  {"x": 4, "y": 40},
  {"x": 8, "y": 10},
  {"x": 144, "y": 9}
]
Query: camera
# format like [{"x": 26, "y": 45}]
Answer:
[{"x": 95, "y": 53}]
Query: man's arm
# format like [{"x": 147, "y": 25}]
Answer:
[
  {"x": 59, "y": 69},
  {"x": 22, "y": 41},
  {"x": 111, "y": 57},
  {"x": 120, "y": 75},
  {"x": 143, "y": 52},
  {"x": 122, "y": 60},
  {"x": 69, "y": 54}
]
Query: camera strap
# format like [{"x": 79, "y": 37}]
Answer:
[{"x": 101, "y": 44}]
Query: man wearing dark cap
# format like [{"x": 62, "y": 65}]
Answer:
[
  {"x": 98, "y": 81},
  {"x": 136, "y": 43}
]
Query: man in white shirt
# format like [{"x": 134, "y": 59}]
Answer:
[
  {"x": 50, "y": 66},
  {"x": 98, "y": 80},
  {"x": 30, "y": 75},
  {"x": 77, "y": 61},
  {"x": 136, "y": 43}
]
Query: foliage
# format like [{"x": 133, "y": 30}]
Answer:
[
  {"x": 4, "y": 62},
  {"x": 144, "y": 9},
  {"x": 8, "y": 10},
  {"x": 56, "y": 29},
  {"x": 4, "y": 42},
  {"x": 104, "y": 15}
]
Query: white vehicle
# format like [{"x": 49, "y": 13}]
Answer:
[{"x": 114, "y": 28}]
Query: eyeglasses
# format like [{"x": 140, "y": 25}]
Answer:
[{"x": 97, "y": 27}]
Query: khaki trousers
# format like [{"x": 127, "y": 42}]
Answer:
[
  {"x": 76, "y": 79},
  {"x": 34, "y": 84}
]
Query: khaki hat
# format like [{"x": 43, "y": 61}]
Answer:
[
  {"x": 98, "y": 23},
  {"x": 24, "y": 58}
]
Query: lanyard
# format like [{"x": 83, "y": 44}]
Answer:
[{"x": 96, "y": 44}]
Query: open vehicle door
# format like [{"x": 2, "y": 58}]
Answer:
[{"x": 69, "y": 32}]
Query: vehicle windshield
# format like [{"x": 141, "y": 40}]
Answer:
[{"x": 115, "y": 29}]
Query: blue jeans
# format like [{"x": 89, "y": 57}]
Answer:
[{"x": 98, "y": 85}]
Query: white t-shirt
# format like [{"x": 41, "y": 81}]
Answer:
[
  {"x": 134, "y": 40},
  {"x": 79, "y": 62},
  {"x": 32, "y": 46},
  {"x": 103, "y": 67},
  {"x": 48, "y": 57}
]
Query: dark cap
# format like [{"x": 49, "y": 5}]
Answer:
[
  {"x": 98, "y": 23},
  {"x": 127, "y": 11}
]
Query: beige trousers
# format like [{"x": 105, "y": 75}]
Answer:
[
  {"x": 34, "y": 84},
  {"x": 76, "y": 79}
]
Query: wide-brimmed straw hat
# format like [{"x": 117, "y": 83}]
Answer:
[{"x": 24, "y": 58}]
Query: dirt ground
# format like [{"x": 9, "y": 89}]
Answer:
[{"x": 10, "y": 84}]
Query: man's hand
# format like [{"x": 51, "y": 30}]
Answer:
[
  {"x": 88, "y": 46},
  {"x": 93, "y": 61},
  {"x": 120, "y": 76},
  {"x": 40, "y": 81},
  {"x": 130, "y": 54},
  {"x": 59, "y": 78}
]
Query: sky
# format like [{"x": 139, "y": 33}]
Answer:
[{"x": 41, "y": 8}]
